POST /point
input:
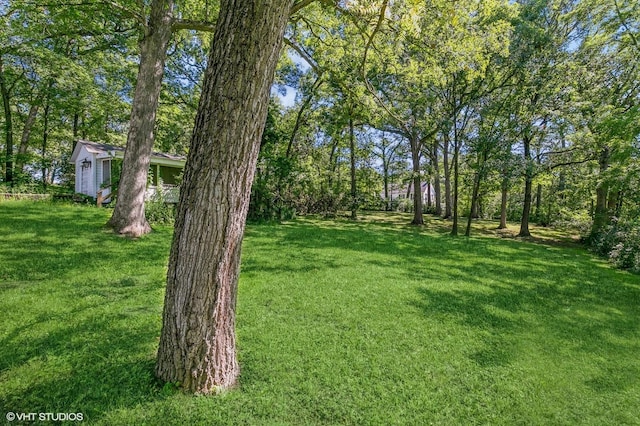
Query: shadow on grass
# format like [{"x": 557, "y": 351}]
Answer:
[
  {"x": 81, "y": 311},
  {"x": 418, "y": 250},
  {"x": 90, "y": 345},
  {"x": 504, "y": 291},
  {"x": 558, "y": 322},
  {"x": 90, "y": 367}
]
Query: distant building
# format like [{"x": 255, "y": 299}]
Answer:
[{"x": 405, "y": 191}]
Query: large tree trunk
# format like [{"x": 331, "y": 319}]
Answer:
[
  {"x": 128, "y": 215},
  {"x": 417, "y": 184},
  {"x": 198, "y": 343},
  {"x": 8, "y": 127}
]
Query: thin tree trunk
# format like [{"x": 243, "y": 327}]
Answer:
[
  {"x": 474, "y": 200},
  {"x": 528, "y": 180},
  {"x": 612, "y": 202},
  {"x": 601, "y": 216},
  {"x": 538, "y": 213},
  {"x": 24, "y": 140},
  {"x": 300, "y": 114},
  {"x": 503, "y": 203},
  {"x": 526, "y": 209},
  {"x": 352, "y": 149},
  {"x": 76, "y": 125},
  {"x": 385, "y": 180},
  {"x": 128, "y": 215},
  {"x": 8, "y": 127},
  {"x": 475, "y": 205},
  {"x": 620, "y": 203},
  {"x": 417, "y": 190},
  {"x": 456, "y": 186},
  {"x": 333, "y": 163},
  {"x": 198, "y": 343},
  {"x": 447, "y": 179},
  {"x": 45, "y": 136},
  {"x": 436, "y": 179}
]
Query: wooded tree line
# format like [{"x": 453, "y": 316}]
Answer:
[
  {"x": 524, "y": 110},
  {"x": 521, "y": 111}
]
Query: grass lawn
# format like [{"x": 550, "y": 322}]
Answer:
[{"x": 367, "y": 322}]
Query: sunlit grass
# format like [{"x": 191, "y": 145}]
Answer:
[{"x": 339, "y": 322}]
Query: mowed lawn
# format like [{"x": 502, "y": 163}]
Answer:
[{"x": 370, "y": 322}]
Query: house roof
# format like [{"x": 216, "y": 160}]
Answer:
[{"x": 103, "y": 149}]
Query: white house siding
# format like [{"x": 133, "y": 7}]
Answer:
[{"x": 85, "y": 178}]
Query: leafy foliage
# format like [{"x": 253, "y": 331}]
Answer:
[{"x": 620, "y": 243}]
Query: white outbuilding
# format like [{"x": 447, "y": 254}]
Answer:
[{"x": 96, "y": 164}]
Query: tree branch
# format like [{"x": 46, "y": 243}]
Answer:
[
  {"x": 304, "y": 55},
  {"x": 626, "y": 27},
  {"x": 570, "y": 163},
  {"x": 363, "y": 69},
  {"x": 300, "y": 5},
  {"x": 188, "y": 24},
  {"x": 128, "y": 12}
]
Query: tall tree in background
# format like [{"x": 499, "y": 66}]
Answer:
[
  {"x": 608, "y": 65},
  {"x": 198, "y": 343},
  {"x": 128, "y": 216},
  {"x": 72, "y": 60}
]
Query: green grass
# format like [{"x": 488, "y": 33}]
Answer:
[{"x": 367, "y": 322}]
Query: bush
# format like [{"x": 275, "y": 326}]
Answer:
[
  {"x": 620, "y": 243},
  {"x": 157, "y": 211},
  {"x": 403, "y": 205}
]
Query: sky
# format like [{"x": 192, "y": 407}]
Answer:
[{"x": 287, "y": 100}]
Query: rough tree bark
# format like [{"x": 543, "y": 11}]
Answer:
[
  {"x": 197, "y": 342},
  {"x": 128, "y": 215}
]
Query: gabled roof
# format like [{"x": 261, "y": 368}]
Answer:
[{"x": 103, "y": 149}]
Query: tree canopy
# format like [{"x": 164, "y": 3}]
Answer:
[{"x": 535, "y": 101}]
